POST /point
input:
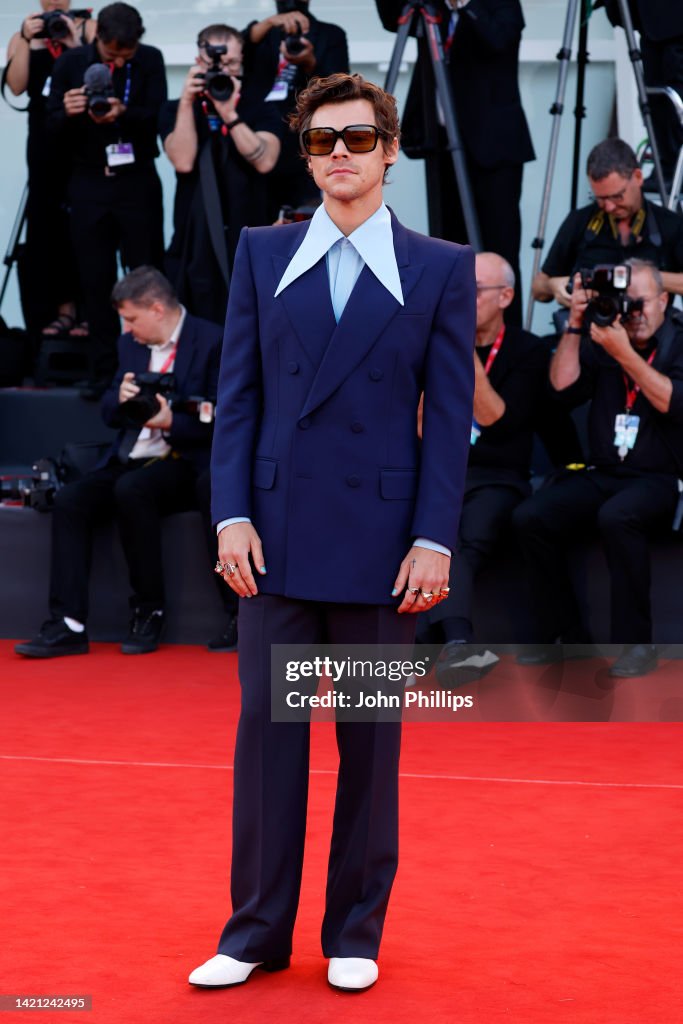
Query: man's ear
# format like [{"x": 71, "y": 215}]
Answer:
[{"x": 505, "y": 297}]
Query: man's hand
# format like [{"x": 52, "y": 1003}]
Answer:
[
  {"x": 193, "y": 86},
  {"x": 227, "y": 109},
  {"x": 304, "y": 58},
  {"x": 235, "y": 544},
  {"x": 32, "y": 26},
  {"x": 128, "y": 388},
  {"x": 116, "y": 109},
  {"x": 163, "y": 419},
  {"x": 425, "y": 572},
  {"x": 578, "y": 301},
  {"x": 613, "y": 339},
  {"x": 73, "y": 38},
  {"x": 292, "y": 23},
  {"x": 75, "y": 102},
  {"x": 559, "y": 290}
]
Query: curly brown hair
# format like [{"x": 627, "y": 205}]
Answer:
[{"x": 340, "y": 88}]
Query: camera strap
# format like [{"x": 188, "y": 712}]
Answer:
[
  {"x": 213, "y": 210},
  {"x": 633, "y": 392}
]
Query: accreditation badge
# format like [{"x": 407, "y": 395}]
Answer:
[
  {"x": 625, "y": 433},
  {"x": 120, "y": 153}
]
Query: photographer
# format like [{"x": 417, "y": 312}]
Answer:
[
  {"x": 630, "y": 365},
  {"x": 284, "y": 52},
  {"x": 222, "y": 140},
  {"x": 108, "y": 127},
  {"x": 150, "y": 471},
  {"x": 481, "y": 40},
  {"x": 48, "y": 271},
  {"x": 618, "y": 225}
]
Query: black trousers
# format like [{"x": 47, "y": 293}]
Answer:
[
  {"x": 138, "y": 495},
  {"x": 663, "y": 65},
  {"x": 496, "y": 193},
  {"x": 485, "y": 517},
  {"x": 627, "y": 511},
  {"x": 111, "y": 217},
  {"x": 271, "y": 789}
]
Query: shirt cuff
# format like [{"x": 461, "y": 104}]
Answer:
[
  {"x": 431, "y": 545},
  {"x": 228, "y": 522}
]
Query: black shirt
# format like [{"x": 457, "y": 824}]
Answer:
[
  {"x": 659, "y": 444},
  {"x": 586, "y": 239},
  {"x": 519, "y": 374},
  {"x": 86, "y": 140}
]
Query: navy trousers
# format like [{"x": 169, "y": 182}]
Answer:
[{"x": 271, "y": 791}]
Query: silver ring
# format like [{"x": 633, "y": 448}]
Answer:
[
  {"x": 230, "y": 568},
  {"x": 413, "y": 590},
  {"x": 427, "y": 596},
  {"x": 445, "y": 590}
]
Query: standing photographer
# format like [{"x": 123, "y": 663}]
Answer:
[
  {"x": 222, "y": 140},
  {"x": 631, "y": 369},
  {"x": 48, "y": 273},
  {"x": 284, "y": 52},
  {"x": 102, "y": 110}
]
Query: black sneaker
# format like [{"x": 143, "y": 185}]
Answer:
[
  {"x": 54, "y": 641},
  {"x": 227, "y": 640},
  {"x": 461, "y": 663},
  {"x": 145, "y": 631}
]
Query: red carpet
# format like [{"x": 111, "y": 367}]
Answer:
[{"x": 539, "y": 880}]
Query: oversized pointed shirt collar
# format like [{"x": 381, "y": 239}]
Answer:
[{"x": 373, "y": 240}]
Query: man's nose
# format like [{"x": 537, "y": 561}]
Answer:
[{"x": 340, "y": 148}]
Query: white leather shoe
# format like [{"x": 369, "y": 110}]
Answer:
[
  {"x": 221, "y": 971},
  {"x": 352, "y": 973}
]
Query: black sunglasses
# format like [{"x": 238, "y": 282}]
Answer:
[{"x": 358, "y": 138}]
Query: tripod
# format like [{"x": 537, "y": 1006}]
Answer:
[
  {"x": 12, "y": 254},
  {"x": 424, "y": 18},
  {"x": 557, "y": 109}
]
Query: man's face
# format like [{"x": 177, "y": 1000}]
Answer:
[
  {"x": 112, "y": 53},
  {"x": 493, "y": 295},
  {"x": 230, "y": 61},
  {"x": 347, "y": 176},
  {"x": 143, "y": 322},
  {"x": 641, "y": 326},
  {"x": 621, "y": 196},
  {"x": 55, "y": 5}
]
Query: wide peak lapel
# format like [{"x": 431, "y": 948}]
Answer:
[
  {"x": 308, "y": 306},
  {"x": 367, "y": 313}
]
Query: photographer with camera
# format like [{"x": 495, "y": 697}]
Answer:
[
  {"x": 222, "y": 140},
  {"x": 102, "y": 110},
  {"x": 162, "y": 401},
  {"x": 48, "y": 277},
  {"x": 619, "y": 224},
  {"x": 622, "y": 351},
  {"x": 284, "y": 52}
]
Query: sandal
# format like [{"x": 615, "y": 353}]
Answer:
[
  {"x": 61, "y": 324},
  {"x": 81, "y": 330}
]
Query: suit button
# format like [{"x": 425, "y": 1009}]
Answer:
[
  {"x": 292, "y": 367},
  {"x": 376, "y": 374},
  {"x": 305, "y": 423},
  {"x": 357, "y": 427},
  {"x": 353, "y": 480}
]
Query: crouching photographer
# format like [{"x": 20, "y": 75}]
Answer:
[
  {"x": 622, "y": 351},
  {"x": 162, "y": 402},
  {"x": 222, "y": 139}
]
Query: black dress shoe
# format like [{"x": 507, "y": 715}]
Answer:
[
  {"x": 635, "y": 660},
  {"x": 227, "y": 640},
  {"x": 461, "y": 663},
  {"x": 145, "y": 632},
  {"x": 54, "y": 641}
]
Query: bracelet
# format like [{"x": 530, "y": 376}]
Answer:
[
  {"x": 233, "y": 124},
  {"x": 573, "y": 330}
]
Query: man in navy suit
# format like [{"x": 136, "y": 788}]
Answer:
[
  {"x": 335, "y": 525},
  {"x": 149, "y": 472}
]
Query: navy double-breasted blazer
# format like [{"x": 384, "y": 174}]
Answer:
[{"x": 315, "y": 437}]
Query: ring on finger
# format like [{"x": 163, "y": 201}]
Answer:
[{"x": 427, "y": 595}]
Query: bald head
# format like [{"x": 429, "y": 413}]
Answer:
[{"x": 495, "y": 292}]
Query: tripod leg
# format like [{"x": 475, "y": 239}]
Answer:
[
  {"x": 443, "y": 92},
  {"x": 643, "y": 102},
  {"x": 579, "y": 110},
  {"x": 403, "y": 31},
  {"x": 564, "y": 56}
]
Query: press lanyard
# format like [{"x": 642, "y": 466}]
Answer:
[
  {"x": 126, "y": 89},
  {"x": 495, "y": 349},
  {"x": 633, "y": 392},
  {"x": 170, "y": 359}
]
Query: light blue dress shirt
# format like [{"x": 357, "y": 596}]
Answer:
[{"x": 371, "y": 244}]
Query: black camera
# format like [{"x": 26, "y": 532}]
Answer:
[
  {"x": 610, "y": 281},
  {"x": 35, "y": 490},
  {"x": 136, "y": 411},
  {"x": 55, "y": 27},
  {"x": 294, "y": 43},
  {"x": 98, "y": 88},
  {"x": 218, "y": 82}
]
